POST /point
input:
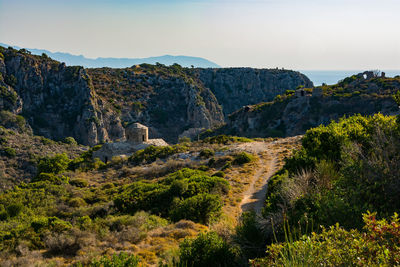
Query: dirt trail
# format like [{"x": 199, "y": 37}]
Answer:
[{"x": 270, "y": 160}]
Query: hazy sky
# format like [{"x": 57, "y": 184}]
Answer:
[{"x": 294, "y": 34}]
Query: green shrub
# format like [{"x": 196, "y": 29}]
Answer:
[
  {"x": 76, "y": 202},
  {"x": 211, "y": 162},
  {"x": 184, "y": 139},
  {"x": 225, "y": 139},
  {"x": 242, "y": 158},
  {"x": 226, "y": 166},
  {"x": 10, "y": 80},
  {"x": 378, "y": 246},
  {"x": 9, "y": 95},
  {"x": 219, "y": 174},
  {"x": 201, "y": 208},
  {"x": 10, "y": 152},
  {"x": 203, "y": 168},
  {"x": 14, "y": 209},
  {"x": 158, "y": 197},
  {"x": 208, "y": 249},
  {"x": 51, "y": 177},
  {"x": 117, "y": 260},
  {"x": 342, "y": 170},
  {"x": 151, "y": 153},
  {"x": 46, "y": 141},
  {"x": 55, "y": 164},
  {"x": 84, "y": 222},
  {"x": 78, "y": 182},
  {"x": 206, "y": 153},
  {"x": 250, "y": 235},
  {"x": 85, "y": 162},
  {"x": 70, "y": 140}
]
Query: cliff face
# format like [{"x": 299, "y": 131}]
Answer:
[
  {"x": 237, "y": 87},
  {"x": 294, "y": 113},
  {"x": 166, "y": 99},
  {"x": 57, "y": 101},
  {"x": 93, "y": 105}
]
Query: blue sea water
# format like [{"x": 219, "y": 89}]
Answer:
[{"x": 333, "y": 76}]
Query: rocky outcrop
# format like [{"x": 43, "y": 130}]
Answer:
[
  {"x": 57, "y": 101},
  {"x": 238, "y": 87},
  {"x": 93, "y": 105},
  {"x": 60, "y": 101},
  {"x": 295, "y": 113},
  {"x": 166, "y": 99}
]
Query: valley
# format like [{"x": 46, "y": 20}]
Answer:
[{"x": 261, "y": 167}]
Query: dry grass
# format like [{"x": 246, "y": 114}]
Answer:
[
  {"x": 28, "y": 148},
  {"x": 162, "y": 242}
]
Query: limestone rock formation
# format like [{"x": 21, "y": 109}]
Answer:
[
  {"x": 297, "y": 112},
  {"x": 238, "y": 87},
  {"x": 94, "y": 105}
]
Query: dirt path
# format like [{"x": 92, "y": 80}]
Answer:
[
  {"x": 270, "y": 160},
  {"x": 254, "y": 196}
]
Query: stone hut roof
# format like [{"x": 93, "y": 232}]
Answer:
[{"x": 136, "y": 125}]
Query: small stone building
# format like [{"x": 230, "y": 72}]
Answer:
[
  {"x": 137, "y": 138},
  {"x": 137, "y": 133}
]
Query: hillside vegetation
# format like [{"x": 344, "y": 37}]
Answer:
[
  {"x": 74, "y": 209},
  {"x": 345, "y": 178},
  {"x": 291, "y": 114},
  {"x": 328, "y": 198}
]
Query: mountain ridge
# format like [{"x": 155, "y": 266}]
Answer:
[
  {"x": 99, "y": 62},
  {"x": 93, "y": 104}
]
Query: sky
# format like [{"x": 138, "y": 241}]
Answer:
[{"x": 290, "y": 34}]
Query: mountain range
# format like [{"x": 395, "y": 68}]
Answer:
[{"x": 75, "y": 60}]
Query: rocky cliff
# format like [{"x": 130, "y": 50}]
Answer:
[
  {"x": 237, "y": 87},
  {"x": 57, "y": 101},
  {"x": 296, "y": 111},
  {"x": 93, "y": 105}
]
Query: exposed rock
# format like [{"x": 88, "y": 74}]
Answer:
[
  {"x": 296, "y": 113},
  {"x": 92, "y": 105},
  {"x": 237, "y": 87},
  {"x": 124, "y": 149}
]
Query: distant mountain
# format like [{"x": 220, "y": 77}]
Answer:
[{"x": 73, "y": 60}]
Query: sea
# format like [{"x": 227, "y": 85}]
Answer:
[{"x": 318, "y": 77}]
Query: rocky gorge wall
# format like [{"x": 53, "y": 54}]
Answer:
[
  {"x": 238, "y": 87},
  {"x": 295, "y": 113},
  {"x": 94, "y": 105}
]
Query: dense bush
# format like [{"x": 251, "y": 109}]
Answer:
[
  {"x": 10, "y": 80},
  {"x": 184, "y": 188},
  {"x": 10, "y": 120},
  {"x": 379, "y": 245},
  {"x": 9, "y": 95},
  {"x": 201, "y": 208},
  {"x": 208, "y": 249},
  {"x": 206, "y": 153},
  {"x": 85, "y": 162},
  {"x": 70, "y": 140},
  {"x": 342, "y": 170},
  {"x": 55, "y": 164},
  {"x": 117, "y": 260},
  {"x": 225, "y": 139},
  {"x": 51, "y": 177},
  {"x": 79, "y": 182},
  {"x": 242, "y": 158},
  {"x": 10, "y": 152},
  {"x": 151, "y": 153},
  {"x": 250, "y": 235}
]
